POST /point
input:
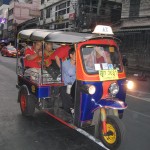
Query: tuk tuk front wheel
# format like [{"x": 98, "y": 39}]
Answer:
[
  {"x": 115, "y": 132},
  {"x": 27, "y": 103}
]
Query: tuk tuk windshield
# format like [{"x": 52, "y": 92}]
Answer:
[{"x": 100, "y": 57}]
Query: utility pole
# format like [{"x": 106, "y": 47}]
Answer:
[
  {"x": 44, "y": 15},
  {"x": 74, "y": 4},
  {"x": 99, "y": 6},
  {"x": 42, "y": 18}
]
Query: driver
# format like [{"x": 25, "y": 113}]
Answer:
[{"x": 102, "y": 56}]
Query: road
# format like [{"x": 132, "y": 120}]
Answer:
[
  {"x": 44, "y": 133},
  {"x": 137, "y": 117}
]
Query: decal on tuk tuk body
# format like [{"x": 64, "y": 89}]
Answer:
[{"x": 33, "y": 89}]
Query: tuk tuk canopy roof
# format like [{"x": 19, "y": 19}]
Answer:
[
  {"x": 25, "y": 34},
  {"x": 68, "y": 37},
  {"x": 40, "y": 35},
  {"x": 54, "y": 36},
  {"x": 33, "y": 34}
]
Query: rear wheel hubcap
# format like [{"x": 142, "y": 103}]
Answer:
[{"x": 23, "y": 102}]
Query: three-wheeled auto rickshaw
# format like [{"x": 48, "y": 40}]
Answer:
[{"x": 100, "y": 88}]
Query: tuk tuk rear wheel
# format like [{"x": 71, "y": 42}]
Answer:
[
  {"x": 115, "y": 132},
  {"x": 27, "y": 103}
]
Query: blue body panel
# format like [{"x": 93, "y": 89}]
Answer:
[
  {"x": 38, "y": 91},
  {"x": 43, "y": 91},
  {"x": 91, "y": 102}
]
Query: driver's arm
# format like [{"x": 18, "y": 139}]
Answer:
[
  {"x": 31, "y": 57},
  {"x": 29, "y": 54}
]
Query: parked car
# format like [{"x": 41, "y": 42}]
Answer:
[
  {"x": 3, "y": 43},
  {"x": 9, "y": 51}
]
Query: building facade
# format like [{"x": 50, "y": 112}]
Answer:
[
  {"x": 93, "y": 12},
  {"x": 6, "y": 2},
  {"x": 20, "y": 12},
  {"x": 68, "y": 15},
  {"x": 135, "y": 32},
  {"x": 57, "y": 14},
  {"x": 3, "y": 21},
  {"x": 78, "y": 15}
]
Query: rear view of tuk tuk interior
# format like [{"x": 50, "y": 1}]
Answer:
[{"x": 99, "y": 88}]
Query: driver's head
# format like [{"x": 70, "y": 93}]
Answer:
[{"x": 99, "y": 51}]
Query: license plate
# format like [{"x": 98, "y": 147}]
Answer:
[{"x": 108, "y": 75}]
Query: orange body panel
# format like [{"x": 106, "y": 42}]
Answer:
[{"x": 106, "y": 86}]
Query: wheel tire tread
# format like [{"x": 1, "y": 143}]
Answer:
[
  {"x": 30, "y": 109},
  {"x": 117, "y": 122}
]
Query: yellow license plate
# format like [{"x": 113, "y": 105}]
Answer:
[{"x": 105, "y": 75}]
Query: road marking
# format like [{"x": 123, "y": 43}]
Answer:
[
  {"x": 78, "y": 129},
  {"x": 138, "y": 113},
  {"x": 144, "y": 99},
  {"x": 91, "y": 137}
]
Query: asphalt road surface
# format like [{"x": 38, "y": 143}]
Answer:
[{"x": 44, "y": 133}]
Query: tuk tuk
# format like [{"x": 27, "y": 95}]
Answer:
[{"x": 100, "y": 88}]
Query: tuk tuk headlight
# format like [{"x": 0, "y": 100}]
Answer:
[
  {"x": 113, "y": 89},
  {"x": 130, "y": 85},
  {"x": 91, "y": 89}
]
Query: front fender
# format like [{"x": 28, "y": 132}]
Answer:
[{"x": 112, "y": 103}]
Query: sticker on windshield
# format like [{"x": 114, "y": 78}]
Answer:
[
  {"x": 105, "y": 66},
  {"x": 105, "y": 75},
  {"x": 111, "y": 49},
  {"x": 110, "y": 66},
  {"x": 97, "y": 67},
  {"x": 33, "y": 88}
]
